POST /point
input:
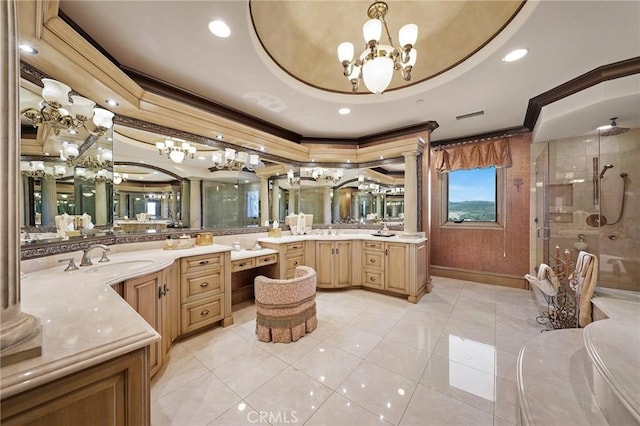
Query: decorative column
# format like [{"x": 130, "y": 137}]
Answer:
[
  {"x": 326, "y": 203},
  {"x": 48, "y": 201},
  {"x": 335, "y": 204},
  {"x": 101, "y": 204},
  {"x": 380, "y": 206},
  {"x": 264, "y": 200},
  {"x": 174, "y": 204},
  {"x": 293, "y": 198},
  {"x": 19, "y": 332},
  {"x": 275, "y": 201},
  {"x": 185, "y": 196},
  {"x": 355, "y": 206},
  {"x": 164, "y": 205},
  {"x": 195, "y": 204},
  {"x": 410, "y": 193},
  {"x": 123, "y": 207}
]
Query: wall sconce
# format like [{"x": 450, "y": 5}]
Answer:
[
  {"x": 326, "y": 176},
  {"x": 60, "y": 113},
  {"x": 232, "y": 160},
  {"x": 176, "y": 153}
]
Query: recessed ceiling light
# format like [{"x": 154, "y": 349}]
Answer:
[
  {"x": 26, "y": 48},
  {"x": 348, "y": 161},
  {"x": 344, "y": 111},
  {"x": 73, "y": 132},
  {"x": 46, "y": 153},
  {"x": 219, "y": 28},
  {"x": 382, "y": 157},
  {"x": 514, "y": 55},
  {"x": 112, "y": 102},
  {"x": 262, "y": 148},
  {"x": 201, "y": 158},
  {"x": 219, "y": 137},
  {"x": 246, "y": 181}
]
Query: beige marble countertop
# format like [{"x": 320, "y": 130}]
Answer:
[
  {"x": 84, "y": 321},
  {"x": 397, "y": 238},
  {"x": 247, "y": 254}
]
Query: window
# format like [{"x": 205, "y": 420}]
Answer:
[{"x": 472, "y": 197}]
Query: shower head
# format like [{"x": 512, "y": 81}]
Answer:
[
  {"x": 624, "y": 175},
  {"x": 604, "y": 169},
  {"x": 614, "y": 129}
]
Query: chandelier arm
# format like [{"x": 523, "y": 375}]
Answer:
[{"x": 386, "y": 28}]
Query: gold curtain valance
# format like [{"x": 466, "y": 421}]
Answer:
[{"x": 473, "y": 155}]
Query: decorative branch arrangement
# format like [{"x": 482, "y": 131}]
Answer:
[{"x": 562, "y": 308}]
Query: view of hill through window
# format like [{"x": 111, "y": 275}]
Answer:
[{"x": 472, "y": 195}]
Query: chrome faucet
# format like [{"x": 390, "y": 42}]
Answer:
[{"x": 86, "y": 259}]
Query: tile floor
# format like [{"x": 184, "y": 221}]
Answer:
[{"x": 374, "y": 359}]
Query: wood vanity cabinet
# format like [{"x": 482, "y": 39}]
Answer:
[
  {"x": 291, "y": 255},
  {"x": 170, "y": 305},
  {"x": 333, "y": 263},
  {"x": 114, "y": 392},
  {"x": 385, "y": 266},
  {"x": 202, "y": 291}
]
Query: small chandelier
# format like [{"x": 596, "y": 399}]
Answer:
[
  {"x": 99, "y": 176},
  {"x": 376, "y": 63},
  {"x": 37, "y": 169},
  {"x": 232, "y": 160},
  {"x": 175, "y": 152},
  {"x": 326, "y": 176},
  {"x": 118, "y": 178},
  {"x": 292, "y": 179},
  {"x": 61, "y": 114}
]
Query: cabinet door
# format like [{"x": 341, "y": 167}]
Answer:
[
  {"x": 170, "y": 305},
  {"x": 144, "y": 295},
  {"x": 342, "y": 263},
  {"x": 324, "y": 263},
  {"x": 397, "y": 267}
]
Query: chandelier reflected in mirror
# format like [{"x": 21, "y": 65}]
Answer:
[
  {"x": 37, "y": 169},
  {"x": 235, "y": 160},
  {"x": 97, "y": 176},
  {"x": 177, "y": 150},
  {"x": 118, "y": 178},
  {"x": 376, "y": 64},
  {"x": 292, "y": 179},
  {"x": 61, "y": 113},
  {"x": 326, "y": 176}
]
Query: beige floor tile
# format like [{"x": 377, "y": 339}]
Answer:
[
  {"x": 241, "y": 414},
  {"x": 377, "y": 324},
  {"x": 380, "y": 391},
  {"x": 471, "y": 353},
  {"x": 249, "y": 371},
  {"x": 326, "y": 328},
  {"x": 423, "y": 336},
  {"x": 437, "y": 409},
  {"x": 338, "y": 410},
  {"x": 459, "y": 381},
  {"x": 291, "y": 397},
  {"x": 291, "y": 352},
  {"x": 354, "y": 341},
  {"x": 468, "y": 329},
  {"x": 181, "y": 368},
  {"x": 218, "y": 349},
  {"x": 197, "y": 403},
  {"x": 400, "y": 359},
  {"x": 328, "y": 364},
  {"x": 506, "y": 404}
]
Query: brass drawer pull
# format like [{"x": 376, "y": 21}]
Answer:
[
  {"x": 204, "y": 284},
  {"x": 295, "y": 247},
  {"x": 372, "y": 279},
  {"x": 372, "y": 260},
  {"x": 204, "y": 313},
  {"x": 204, "y": 262},
  {"x": 295, "y": 263},
  {"x": 240, "y": 265}
]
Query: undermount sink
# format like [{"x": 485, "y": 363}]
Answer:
[{"x": 119, "y": 266}]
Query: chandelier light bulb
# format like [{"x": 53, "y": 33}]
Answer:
[
  {"x": 102, "y": 118},
  {"x": 106, "y": 156},
  {"x": 254, "y": 159},
  {"x": 229, "y": 154},
  {"x": 59, "y": 170},
  {"x": 55, "y": 93},
  {"x": 216, "y": 158},
  {"x": 345, "y": 52},
  {"x": 408, "y": 35},
  {"x": 377, "y": 74},
  {"x": 413, "y": 55},
  {"x": 372, "y": 30},
  {"x": 176, "y": 156},
  {"x": 82, "y": 108},
  {"x": 70, "y": 150}
]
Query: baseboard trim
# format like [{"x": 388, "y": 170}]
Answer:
[{"x": 504, "y": 280}]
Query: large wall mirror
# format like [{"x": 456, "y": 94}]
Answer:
[{"x": 139, "y": 178}]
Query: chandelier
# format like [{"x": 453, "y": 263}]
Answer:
[
  {"x": 99, "y": 176},
  {"x": 232, "y": 160},
  {"x": 37, "y": 169},
  {"x": 176, "y": 152},
  {"x": 118, "y": 178},
  {"x": 326, "y": 176},
  {"x": 376, "y": 63},
  {"x": 292, "y": 179},
  {"x": 61, "y": 114}
]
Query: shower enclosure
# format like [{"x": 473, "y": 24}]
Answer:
[{"x": 588, "y": 198}]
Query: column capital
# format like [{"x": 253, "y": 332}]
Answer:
[{"x": 408, "y": 154}]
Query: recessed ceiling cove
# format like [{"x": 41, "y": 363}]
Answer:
[{"x": 302, "y": 36}]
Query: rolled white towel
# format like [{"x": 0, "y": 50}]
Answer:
[{"x": 546, "y": 280}]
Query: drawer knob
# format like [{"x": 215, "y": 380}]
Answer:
[
  {"x": 204, "y": 284},
  {"x": 372, "y": 260},
  {"x": 204, "y": 313},
  {"x": 241, "y": 265},
  {"x": 372, "y": 278},
  {"x": 204, "y": 262}
]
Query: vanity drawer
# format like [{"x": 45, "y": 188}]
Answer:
[
  {"x": 242, "y": 264},
  {"x": 201, "y": 313},
  {"x": 267, "y": 259},
  {"x": 373, "y": 245},
  {"x": 293, "y": 261},
  {"x": 201, "y": 286},
  {"x": 373, "y": 279},
  {"x": 292, "y": 247},
  {"x": 203, "y": 262},
  {"x": 373, "y": 260}
]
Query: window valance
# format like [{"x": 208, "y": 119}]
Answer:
[{"x": 473, "y": 155}]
